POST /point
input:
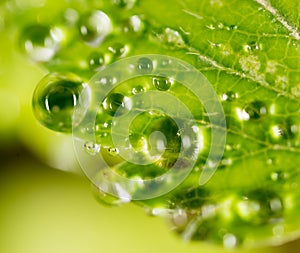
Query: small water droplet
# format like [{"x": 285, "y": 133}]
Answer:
[
  {"x": 138, "y": 89},
  {"x": 71, "y": 16},
  {"x": 91, "y": 148},
  {"x": 256, "y": 109},
  {"x": 145, "y": 65},
  {"x": 94, "y": 27},
  {"x": 134, "y": 26},
  {"x": 285, "y": 130},
  {"x": 232, "y": 27},
  {"x": 242, "y": 114},
  {"x": 229, "y": 241},
  {"x": 54, "y": 100},
  {"x": 278, "y": 176},
  {"x": 115, "y": 104},
  {"x": 171, "y": 38},
  {"x": 179, "y": 218},
  {"x": 107, "y": 80},
  {"x": 260, "y": 206},
  {"x": 96, "y": 61},
  {"x": 252, "y": 47},
  {"x": 118, "y": 50},
  {"x": 125, "y": 3},
  {"x": 39, "y": 43},
  {"x": 162, "y": 83},
  {"x": 113, "y": 151},
  {"x": 229, "y": 96}
]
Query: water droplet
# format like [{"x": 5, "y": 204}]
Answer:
[
  {"x": 229, "y": 241},
  {"x": 145, "y": 65},
  {"x": 285, "y": 130},
  {"x": 91, "y": 148},
  {"x": 252, "y": 47},
  {"x": 179, "y": 218},
  {"x": 118, "y": 50},
  {"x": 39, "y": 43},
  {"x": 96, "y": 61},
  {"x": 138, "y": 89},
  {"x": 242, "y": 114},
  {"x": 107, "y": 80},
  {"x": 113, "y": 151},
  {"x": 229, "y": 96},
  {"x": 232, "y": 27},
  {"x": 171, "y": 38},
  {"x": 161, "y": 83},
  {"x": 260, "y": 206},
  {"x": 71, "y": 16},
  {"x": 278, "y": 176},
  {"x": 94, "y": 27},
  {"x": 134, "y": 26},
  {"x": 256, "y": 109},
  {"x": 125, "y": 3},
  {"x": 115, "y": 104},
  {"x": 54, "y": 100}
]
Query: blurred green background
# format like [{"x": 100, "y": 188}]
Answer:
[{"x": 46, "y": 204}]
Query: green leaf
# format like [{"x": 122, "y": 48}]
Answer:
[{"x": 250, "y": 52}]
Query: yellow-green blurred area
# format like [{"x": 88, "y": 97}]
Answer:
[{"x": 45, "y": 210}]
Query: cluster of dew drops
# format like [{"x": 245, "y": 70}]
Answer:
[{"x": 72, "y": 51}]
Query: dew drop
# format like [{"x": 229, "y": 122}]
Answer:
[
  {"x": 115, "y": 104},
  {"x": 94, "y": 27},
  {"x": 252, "y": 47},
  {"x": 145, "y": 65},
  {"x": 137, "y": 90},
  {"x": 229, "y": 96},
  {"x": 39, "y": 42},
  {"x": 171, "y": 38},
  {"x": 161, "y": 83},
  {"x": 278, "y": 176},
  {"x": 134, "y": 26},
  {"x": 118, "y": 50},
  {"x": 107, "y": 80},
  {"x": 260, "y": 206},
  {"x": 125, "y": 3},
  {"x": 96, "y": 61},
  {"x": 179, "y": 218},
  {"x": 91, "y": 148},
  {"x": 113, "y": 151},
  {"x": 54, "y": 100},
  {"x": 256, "y": 109},
  {"x": 229, "y": 241},
  {"x": 286, "y": 130}
]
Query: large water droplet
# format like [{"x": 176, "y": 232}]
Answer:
[
  {"x": 54, "y": 100},
  {"x": 39, "y": 42},
  {"x": 115, "y": 104},
  {"x": 94, "y": 27},
  {"x": 161, "y": 83},
  {"x": 145, "y": 65}
]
